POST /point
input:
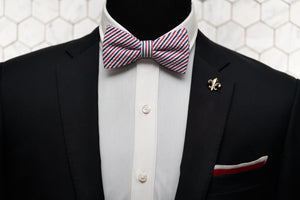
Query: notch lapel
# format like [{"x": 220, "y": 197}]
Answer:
[
  {"x": 207, "y": 114},
  {"x": 77, "y": 81}
]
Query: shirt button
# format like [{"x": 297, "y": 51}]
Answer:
[
  {"x": 142, "y": 177},
  {"x": 146, "y": 109}
]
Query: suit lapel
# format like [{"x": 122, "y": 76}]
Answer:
[
  {"x": 207, "y": 114},
  {"x": 77, "y": 80}
]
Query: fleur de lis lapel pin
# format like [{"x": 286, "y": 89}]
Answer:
[{"x": 213, "y": 84}]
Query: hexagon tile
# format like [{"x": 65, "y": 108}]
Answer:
[{"x": 266, "y": 30}]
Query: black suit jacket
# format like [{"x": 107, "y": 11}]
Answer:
[{"x": 50, "y": 135}]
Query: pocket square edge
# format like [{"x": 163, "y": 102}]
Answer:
[{"x": 229, "y": 169}]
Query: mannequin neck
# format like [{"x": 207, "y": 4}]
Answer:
[{"x": 147, "y": 20}]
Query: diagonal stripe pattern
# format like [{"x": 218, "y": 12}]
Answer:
[{"x": 171, "y": 50}]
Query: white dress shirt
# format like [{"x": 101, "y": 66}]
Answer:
[{"x": 142, "y": 123}]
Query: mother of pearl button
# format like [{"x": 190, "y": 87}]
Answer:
[
  {"x": 146, "y": 109},
  {"x": 142, "y": 177}
]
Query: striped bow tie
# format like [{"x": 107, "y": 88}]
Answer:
[{"x": 170, "y": 50}]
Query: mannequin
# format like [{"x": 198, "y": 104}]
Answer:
[{"x": 147, "y": 20}]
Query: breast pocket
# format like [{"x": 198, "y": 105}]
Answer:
[{"x": 235, "y": 182}]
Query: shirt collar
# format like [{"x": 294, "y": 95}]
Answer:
[{"x": 190, "y": 23}]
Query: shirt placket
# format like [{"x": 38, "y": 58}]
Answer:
[{"x": 145, "y": 133}]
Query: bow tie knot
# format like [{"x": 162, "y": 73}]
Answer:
[
  {"x": 146, "y": 48},
  {"x": 121, "y": 48}
]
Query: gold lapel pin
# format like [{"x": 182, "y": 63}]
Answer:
[{"x": 214, "y": 84}]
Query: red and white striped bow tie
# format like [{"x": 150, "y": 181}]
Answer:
[{"x": 170, "y": 50}]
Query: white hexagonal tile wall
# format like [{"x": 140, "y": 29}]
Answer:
[
  {"x": 9, "y": 33},
  {"x": 198, "y": 9},
  {"x": 40, "y": 46},
  {"x": 275, "y": 58},
  {"x": 231, "y": 35},
  {"x": 45, "y": 10},
  {"x": 248, "y": 52},
  {"x": 17, "y": 9},
  {"x": 1, "y": 54},
  {"x": 266, "y": 23},
  {"x": 290, "y": 1},
  {"x": 59, "y": 31},
  {"x": 261, "y": 1},
  {"x": 208, "y": 30},
  {"x": 295, "y": 13},
  {"x": 275, "y": 12},
  {"x": 245, "y": 12},
  {"x": 212, "y": 12},
  {"x": 288, "y": 37},
  {"x": 295, "y": 63},
  {"x": 73, "y": 10},
  {"x": 259, "y": 37},
  {"x": 84, "y": 27},
  {"x": 16, "y": 49},
  {"x": 95, "y": 9},
  {"x": 1, "y": 7},
  {"x": 31, "y": 32}
]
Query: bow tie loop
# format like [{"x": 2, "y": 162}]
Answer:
[
  {"x": 171, "y": 50},
  {"x": 146, "y": 48}
]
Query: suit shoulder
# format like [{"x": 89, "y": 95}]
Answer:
[
  {"x": 244, "y": 66},
  {"x": 51, "y": 55},
  {"x": 237, "y": 64},
  {"x": 44, "y": 54},
  {"x": 265, "y": 83}
]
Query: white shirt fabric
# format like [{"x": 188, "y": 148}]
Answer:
[{"x": 136, "y": 144}]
